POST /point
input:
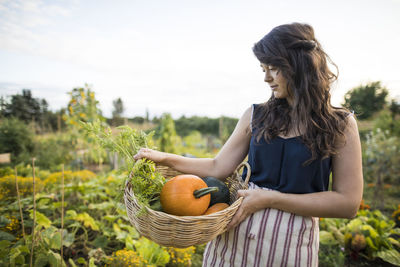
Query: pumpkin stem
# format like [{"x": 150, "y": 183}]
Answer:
[{"x": 204, "y": 191}]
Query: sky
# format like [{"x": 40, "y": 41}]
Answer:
[{"x": 184, "y": 57}]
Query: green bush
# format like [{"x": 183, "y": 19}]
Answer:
[
  {"x": 370, "y": 236},
  {"x": 16, "y": 138},
  {"x": 387, "y": 121},
  {"x": 381, "y": 162},
  {"x": 53, "y": 150}
]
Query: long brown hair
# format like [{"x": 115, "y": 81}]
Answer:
[{"x": 293, "y": 49}]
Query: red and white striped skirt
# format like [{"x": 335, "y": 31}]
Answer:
[{"x": 268, "y": 237}]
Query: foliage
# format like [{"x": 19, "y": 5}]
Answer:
[
  {"x": 82, "y": 106},
  {"x": 146, "y": 253},
  {"x": 387, "y": 122},
  {"x": 381, "y": 161},
  {"x": 367, "y": 99},
  {"x": 154, "y": 254},
  {"x": 199, "y": 146},
  {"x": 24, "y": 170},
  {"x": 168, "y": 137},
  {"x": 16, "y": 138},
  {"x": 54, "y": 179},
  {"x": 330, "y": 256},
  {"x": 370, "y": 235},
  {"x": 8, "y": 187},
  {"x": 96, "y": 231},
  {"x": 25, "y": 108},
  {"x": 125, "y": 258},
  {"x": 146, "y": 182},
  {"x": 181, "y": 256},
  {"x": 53, "y": 150},
  {"x": 126, "y": 143},
  {"x": 396, "y": 216},
  {"x": 218, "y": 127}
]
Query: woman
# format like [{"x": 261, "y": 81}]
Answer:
[{"x": 294, "y": 142}]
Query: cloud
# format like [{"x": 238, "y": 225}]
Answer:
[{"x": 22, "y": 23}]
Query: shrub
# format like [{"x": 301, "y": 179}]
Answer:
[
  {"x": 381, "y": 162},
  {"x": 8, "y": 187},
  {"x": 69, "y": 176},
  {"x": 181, "y": 256},
  {"x": 125, "y": 257},
  {"x": 370, "y": 236},
  {"x": 16, "y": 138},
  {"x": 52, "y": 151}
]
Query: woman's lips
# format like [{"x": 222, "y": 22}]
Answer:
[{"x": 274, "y": 87}]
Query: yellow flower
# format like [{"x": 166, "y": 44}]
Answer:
[
  {"x": 83, "y": 96},
  {"x": 8, "y": 187}
]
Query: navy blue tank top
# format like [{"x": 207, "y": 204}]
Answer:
[{"x": 278, "y": 165}]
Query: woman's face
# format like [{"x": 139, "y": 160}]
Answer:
[{"x": 276, "y": 81}]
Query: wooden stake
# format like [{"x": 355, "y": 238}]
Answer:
[
  {"x": 19, "y": 204},
  {"x": 62, "y": 212},
  {"x": 34, "y": 211}
]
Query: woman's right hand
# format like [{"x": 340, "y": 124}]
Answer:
[{"x": 154, "y": 155}]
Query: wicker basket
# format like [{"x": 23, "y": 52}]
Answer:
[{"x": 184, "y": 231}]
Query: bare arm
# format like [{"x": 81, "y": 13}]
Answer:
[
  {"x": 342, "y": 202},
  {"x": 229, "y": 157}
]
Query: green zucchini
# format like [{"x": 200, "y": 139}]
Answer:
[{"x": 222, "y": 195}]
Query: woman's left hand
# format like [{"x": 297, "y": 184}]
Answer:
[{"x": 253, "y": 200}]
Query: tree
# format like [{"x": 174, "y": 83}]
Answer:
[
  {"x": 2, "y": 105},
  {"x": 117, "y": 118},
  {"x": 366, "y": 100},
  {"x": 26, "y": 108},
  {"x": 16, "y": 138}
]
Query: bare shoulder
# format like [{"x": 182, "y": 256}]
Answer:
[
  {"x": 351, "y": 130},
  {"x": 351, "y": 136},
  {"x": 248, "y": 113},
  {"x": 245, "y": 120}
]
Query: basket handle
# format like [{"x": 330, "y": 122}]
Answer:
[{"x": 244, "y": 164}]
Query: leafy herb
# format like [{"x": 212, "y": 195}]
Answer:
[
  {"x": 126, "y": 143},
  {"x": 145, "y": 180}
]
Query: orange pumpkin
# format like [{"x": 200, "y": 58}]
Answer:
[
  {"x": 186, "y": 195},
  {"x": 216, "y": 207}
]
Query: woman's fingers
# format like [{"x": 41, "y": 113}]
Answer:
[
  {"x": 237, "y": 218},
  {"x": 142, "y": 153},
  {"x": 249, "y": 205},
  {"x": 150, "y": 154}
]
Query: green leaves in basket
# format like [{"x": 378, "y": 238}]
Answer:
[{"x": 146, "y": 182}]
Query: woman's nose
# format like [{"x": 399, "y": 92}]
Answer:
[{"x": 268, "y": 78}]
